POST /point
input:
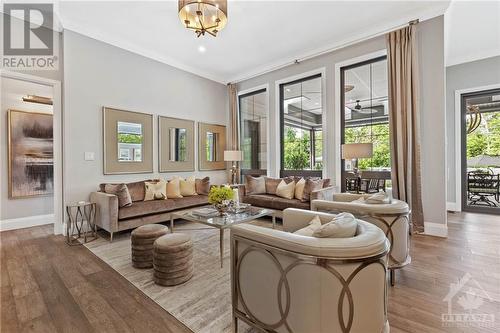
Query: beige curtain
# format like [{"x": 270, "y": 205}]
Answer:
[
  {"x": 233, "y": 114},
  {"x": 404, "y": 120}
]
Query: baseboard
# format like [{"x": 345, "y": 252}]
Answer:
[
  {"x": 26, "y": 222},
  {"x": 435, "y": 229},
  {"x": 452, "y": 207}
]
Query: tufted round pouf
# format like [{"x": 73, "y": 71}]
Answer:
[
  {"x": 142, "y": 244},
  {"x": 173, "y": 259}
]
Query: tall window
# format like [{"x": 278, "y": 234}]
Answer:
[
  {"x": 253, "y": 132},
  {"x": 366, "y": 115},
  {"x": 301, "y": 127}
]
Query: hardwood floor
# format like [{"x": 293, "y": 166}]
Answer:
[{"x": 47, "y": 286}]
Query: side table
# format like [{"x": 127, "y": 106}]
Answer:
[{"x": 81, "y": 221}]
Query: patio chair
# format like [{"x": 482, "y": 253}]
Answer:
[{"x": 481, "y": 186}]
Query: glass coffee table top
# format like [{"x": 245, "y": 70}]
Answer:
[{"x": 228, "y": 219}]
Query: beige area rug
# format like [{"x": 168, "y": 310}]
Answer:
[{"x": 203, "y": 303}]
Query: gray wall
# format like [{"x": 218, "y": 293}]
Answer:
[
  {"x": 97, "y": 74},
  {"x": 464, "y": 76},
  {"x": 432, "y": 85}
]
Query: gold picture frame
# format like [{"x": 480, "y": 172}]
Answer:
[{"x": 126, "y": 157}]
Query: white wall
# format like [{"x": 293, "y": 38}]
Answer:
[
  {"x": 97, "y": 74},
  {"x": 474, "y": 74},
  {"x": 432, "y": 86}
]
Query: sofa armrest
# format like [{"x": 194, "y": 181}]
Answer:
[
  {"x": 295, "y": 219},
  {"x": 348, "y": 197},
  {"x": 241, "y": 191},
  {"x": 324, "y": 194},
  {"x": 107, "y": 210}
]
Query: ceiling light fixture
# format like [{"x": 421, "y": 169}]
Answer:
[
  {"x": 202, "y": 49},
  {"x": 203, "y": 16}
]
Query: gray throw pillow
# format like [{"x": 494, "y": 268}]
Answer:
[
  {"x": 121, "y": 191},
  {"x": 255, "y": 185}
]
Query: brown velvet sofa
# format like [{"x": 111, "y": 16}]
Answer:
[
  {"x": 271, "y": 201},
  {"x": 112, "y": 218}
]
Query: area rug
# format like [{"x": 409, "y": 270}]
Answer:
[{"x": 203, "y": 303}]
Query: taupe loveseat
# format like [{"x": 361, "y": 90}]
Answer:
[{"x": 113, "y": 218}]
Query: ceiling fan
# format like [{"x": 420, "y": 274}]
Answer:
[{"x": 358, "y": 108}]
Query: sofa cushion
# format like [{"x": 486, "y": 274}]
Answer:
[
  {"x": 142, "y": 208},
  {"x": 272, "y": 183},
  {"x": 202, "y": 185},
  {"x": 192, "y": 201},
  {"x": 121, "y": 191},
  {"x": 274, "y": 202},
  {"x": 136, "y": 189}
]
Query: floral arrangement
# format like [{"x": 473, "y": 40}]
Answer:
[{"x": 219, "y": 194}]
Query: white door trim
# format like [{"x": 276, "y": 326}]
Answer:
[
  {"x": 338, "y": 107},
  {"x": 458, "y": 139},
  {"x": 58, "y": 144},
  {"x": 268, "y": 131}
]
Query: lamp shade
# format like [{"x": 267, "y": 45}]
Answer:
[
  {"x": 357, "y": 150},
  {"x": 233, "y": 155}
]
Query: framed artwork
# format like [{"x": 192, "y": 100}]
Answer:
[
  {"x": 212, "y": 143},
  {"x": 128, "y": 141},
  {"x": 175, "y": 144},
  {"x": 31, "y": 154}
]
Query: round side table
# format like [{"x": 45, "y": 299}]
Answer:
[{"x": 81, "y": 222}]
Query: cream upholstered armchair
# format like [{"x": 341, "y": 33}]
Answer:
[
  {"x": 392, "y": 218},
  {"x": 283, "y": 282}
]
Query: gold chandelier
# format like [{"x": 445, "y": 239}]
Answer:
[{"x": 203, "y": 16}]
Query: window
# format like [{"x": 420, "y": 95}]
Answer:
[
  {"x": 366, "y": 116},
  {"x": 253, "y": 132},
  {"x": 301, "y": 127}
]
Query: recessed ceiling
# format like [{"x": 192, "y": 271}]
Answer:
[{"x": 259, "y": 35}]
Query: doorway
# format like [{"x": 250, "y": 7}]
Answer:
[{"x": 480, "y": 151}]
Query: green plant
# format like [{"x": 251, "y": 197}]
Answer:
[{"x": 218, "y": 194}]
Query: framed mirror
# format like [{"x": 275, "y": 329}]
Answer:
[
  {"x": 212, "y": 143},
  {"x": 175, "y": 144},
  {"x": 128, "y": 141}
]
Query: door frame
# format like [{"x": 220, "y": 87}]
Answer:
[
  {"x": 58, "y": 141},
  {"x": 458, "y": 139}
]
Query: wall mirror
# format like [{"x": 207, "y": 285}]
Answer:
[
  {"x": 128, "y": 141},
  {"x": 212, "y": 143},
  {"x": 176, "y": 144}
]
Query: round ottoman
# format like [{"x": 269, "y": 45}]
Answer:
[
  {"x": 142, "y": 244},
  {"x": 173, "y": 259}
]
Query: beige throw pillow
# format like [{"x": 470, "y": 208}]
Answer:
[
  {"x": 285, "y": 190},
  {"x": 188, "y": 186},
  {"x": 174, "y": 188},
  {"x": 344, "y": 225},
  {"x": 156, "y": 190},
  {"x": 299, "y": 189},
  {"x": 314, "y": 225},
  {"x": 121, "y": 191}
]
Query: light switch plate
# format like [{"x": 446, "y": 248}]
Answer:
[{"x": 89, "y": 156}]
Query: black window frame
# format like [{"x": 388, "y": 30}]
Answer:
[{"x": 283, "y": 172}]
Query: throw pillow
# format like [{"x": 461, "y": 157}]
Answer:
[
  {"x": 174, "y": 188},
  {"x": 188, "y": 186},
  {"x": 344, "y": 225},
  {"x": 299, "y": 189},
  {"x": 121, "y": 191},
  {"x": 155, "y": 190},
  {"x": 314, "y": 225},
  {"x": 202, "y": 186},
  {"x": 311, "y": 185},
  {"x": 255, "y": 185},
  {"x": 285, "y": 190},
  {"x": 378, "y": 198}
]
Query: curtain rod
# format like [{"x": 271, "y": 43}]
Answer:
[{"x": 317, "y": 54}]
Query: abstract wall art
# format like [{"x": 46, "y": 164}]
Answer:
[{"x": 31, "y": 154}]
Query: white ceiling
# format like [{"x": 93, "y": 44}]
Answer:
[{"x": 260, "y": 35}]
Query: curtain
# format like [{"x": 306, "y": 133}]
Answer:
[
  {"x": 233, "y": 114},
  {"x": 404, "y": 121}
]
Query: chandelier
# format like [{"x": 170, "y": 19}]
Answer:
[{"x": 203, "y": 16}]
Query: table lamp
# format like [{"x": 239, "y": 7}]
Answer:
[
  {"x": 233, "y": 156},
  {"x": 354, "y": 151}
]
